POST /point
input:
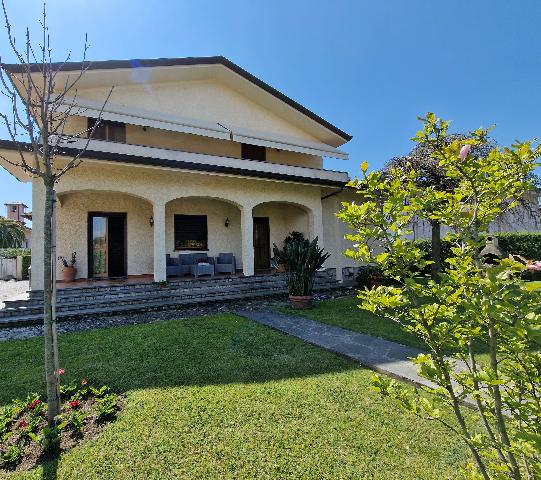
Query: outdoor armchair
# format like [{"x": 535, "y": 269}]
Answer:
[
  {"x": 172, "y": 266},
  {"x": 225, "y": 263}
]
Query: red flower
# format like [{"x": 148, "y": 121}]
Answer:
[
  {"x": 60, "y": 371},
  {"x": 74, "y": 403},
  {"x": 33, "y": 404},
  {"x": 23, "y": 424},
  {"x": 84, "y": 381}
]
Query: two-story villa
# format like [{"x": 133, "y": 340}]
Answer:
[{"x": 192, "y": 155}]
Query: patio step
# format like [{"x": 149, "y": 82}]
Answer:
[{"x": 79, "y": 302}]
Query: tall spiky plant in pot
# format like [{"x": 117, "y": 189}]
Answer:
[{"x": 302, "y": 259}]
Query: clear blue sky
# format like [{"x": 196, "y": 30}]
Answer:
[{"x": 369, "y": 67}]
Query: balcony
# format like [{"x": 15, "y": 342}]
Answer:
[{"x": 167, "y": 158}]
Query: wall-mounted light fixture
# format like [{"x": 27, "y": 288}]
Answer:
[
  {"x": 151, "y": 221},
  {"x": 227, "y": 222}
]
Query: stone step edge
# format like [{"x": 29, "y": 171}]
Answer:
[
  {"x": 61, "y": 302},
  {"x": 251, "y": 279},
  {"x": 37, "y": 319},
  {"x": 9, "y": 313}
]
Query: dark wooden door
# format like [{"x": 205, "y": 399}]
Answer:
[
  {"x": 117, "y": 245},
  {"x": 261, "y": 243}
]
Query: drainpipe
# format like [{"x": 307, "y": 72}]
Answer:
[{"x": 333, "y": 193}]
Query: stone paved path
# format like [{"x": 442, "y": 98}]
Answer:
[{"x": 376, "y": 353}]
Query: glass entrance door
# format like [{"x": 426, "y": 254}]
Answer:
[
  {"x": 99, "y": 247},
  {"x": 106, "y": 245}
]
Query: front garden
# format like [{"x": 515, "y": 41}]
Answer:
[{"x": 221, "y": 397}]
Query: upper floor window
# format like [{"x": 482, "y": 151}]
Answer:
[
  {"x": 253, "y": 152},
  {"x": 14, "y": 208},
  {"x": 108, "y": 130}
]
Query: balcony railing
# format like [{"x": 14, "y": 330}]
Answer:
[{"x": 212, "y": 163}]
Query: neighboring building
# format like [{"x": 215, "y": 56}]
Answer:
[
  {"x": 193, "y": 155},
  {"x": 17, "y": 211}
]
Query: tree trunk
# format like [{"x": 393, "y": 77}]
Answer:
[
  {"x": 49, "y": 321},
  {"x": 436, "y": 267}
]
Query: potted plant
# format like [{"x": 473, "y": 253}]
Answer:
[
  {"x": 69, "y": 269},
  {"x": 277, "y": 263},
  {"x": 302, "y": 259}
]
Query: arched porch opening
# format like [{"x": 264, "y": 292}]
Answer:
[
  {"x": 273, "y": 222},
  {"x": 110, "y": 232},
  {"x": 203, "y": 225}
]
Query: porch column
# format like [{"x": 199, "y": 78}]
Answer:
[
  {"x": 160, "y": 271},
  {"x": 247, "y": 231},
  {"x": 315, "y": 225}
]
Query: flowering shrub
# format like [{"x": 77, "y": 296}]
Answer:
[
  {"x": 470, "y": 308},
  {"x": 25, "y": 436}
]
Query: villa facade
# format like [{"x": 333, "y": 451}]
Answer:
[{"x": 193, "y": 155}]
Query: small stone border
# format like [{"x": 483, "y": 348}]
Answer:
[{"x": 116, "y": 320}]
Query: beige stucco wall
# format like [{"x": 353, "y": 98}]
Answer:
[
  {"x": 202, "y": 100},
  {"x": 334, "y": 230}
]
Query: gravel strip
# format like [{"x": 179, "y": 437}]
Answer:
[{"x": 106, "y": 321}]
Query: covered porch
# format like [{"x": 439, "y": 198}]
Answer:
[
  {"x": 122, "y": 221},
  {"x": 121, "y": 238}
]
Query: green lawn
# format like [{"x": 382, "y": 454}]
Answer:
[{"x": 221, "y": 397}]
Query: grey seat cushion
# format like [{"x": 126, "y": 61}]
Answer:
[{"x": 225, "y": 263}]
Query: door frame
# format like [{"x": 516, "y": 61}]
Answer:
[
  {"x": 90, "y": 243},
  {"x": 266, "y": 222}
]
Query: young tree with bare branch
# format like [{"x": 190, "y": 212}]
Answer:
[{"x": 40, "y": 110}]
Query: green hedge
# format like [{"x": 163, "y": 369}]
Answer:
[
  {"x": 13, "y": 252},
  {"x": 26, "y": 265},
  {"x": 526, "y": 244},
  {"x": 366, "y": 275}
]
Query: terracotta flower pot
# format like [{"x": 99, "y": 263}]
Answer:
[
  {"x": 301, "y": 302},
  {"x": 280, "y": 268},
  {"x": 69, "y": 273}
]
